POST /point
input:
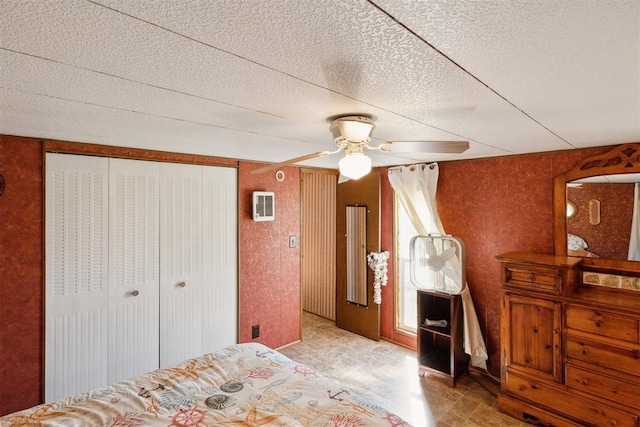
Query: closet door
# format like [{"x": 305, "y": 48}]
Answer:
[
  {"x": 220, "y": 265},
  {"x": 181, "y": 262},
  {"x": 76, "y": 303},
  {"x": 134, "y": 264}
]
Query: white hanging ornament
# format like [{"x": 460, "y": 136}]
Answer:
[{"x": 377, "y": 261}]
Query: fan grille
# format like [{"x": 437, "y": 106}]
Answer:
[{"x": 438, "y": 263}]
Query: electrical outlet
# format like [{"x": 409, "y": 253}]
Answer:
[
  {"x": 255, "y": 331},
  {"x": 292, "y": 241}
]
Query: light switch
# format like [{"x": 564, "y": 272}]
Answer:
[{"x": 292, "y": 241}]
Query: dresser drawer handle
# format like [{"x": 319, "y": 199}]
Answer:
[
  {"x": 598, "y": 323},
  {"x": 532, "y": 277},
  {"x": 521, "y": 387},
  {"x": 583, "y": 351},
  {"x": 583, "y": 381}
]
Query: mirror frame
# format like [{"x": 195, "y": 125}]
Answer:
[{"x": 622, "y": 159}]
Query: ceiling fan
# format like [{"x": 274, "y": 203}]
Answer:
[{"x": 353, "y": 134}]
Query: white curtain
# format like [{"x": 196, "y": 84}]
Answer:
[
  {"x": 634, "y": 238},
  {"x": 416, "y": 188}
]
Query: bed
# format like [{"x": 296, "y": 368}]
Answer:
[
  {"x": 240, "y": 385},
  {"x": 577, "y": 246}
]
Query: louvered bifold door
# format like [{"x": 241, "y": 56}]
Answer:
[
  {"x": 318, "y": 267},
  {"x": 76, "y": 317},
  {"x": 220, "y": 265},
  {"x": 134, "y": 264},
  {"x": 181, "y": 262}
]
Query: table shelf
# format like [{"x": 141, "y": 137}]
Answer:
[{"x": 441, "y": 349}]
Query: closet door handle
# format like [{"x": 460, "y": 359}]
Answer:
[
  {"x": 135, "y": 293},
  {"x": 182, "y": 284}
]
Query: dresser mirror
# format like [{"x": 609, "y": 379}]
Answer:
[{"x": 601, "y": 188}]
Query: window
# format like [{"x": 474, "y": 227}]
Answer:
[{"x": 406, "y": 295}]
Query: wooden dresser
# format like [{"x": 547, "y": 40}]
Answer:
[{"x": 570, "y": 351}]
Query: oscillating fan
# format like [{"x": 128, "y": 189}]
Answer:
[{"x": 438, "y": 263}]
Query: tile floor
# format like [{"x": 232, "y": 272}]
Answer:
[{"x": 390, "y": 372}]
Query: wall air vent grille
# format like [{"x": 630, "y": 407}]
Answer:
[{"x": 264, "y": 206}]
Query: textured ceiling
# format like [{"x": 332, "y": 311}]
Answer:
[{"x": 257, "y": 80}]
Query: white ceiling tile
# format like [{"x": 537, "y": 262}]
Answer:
[
  {"x": 352, "y": 49},
  {"x": 258, "y": 80},
  {"x": 573, "y": 65}
]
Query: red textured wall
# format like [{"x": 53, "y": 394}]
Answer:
[
  {"x": 269, "y": 269},
  {"x": 495, "y": 206},
  {"x": 610, "y": 238},
  {"x": 499, "y": 205},
  {"x": 21, "y": 273}
]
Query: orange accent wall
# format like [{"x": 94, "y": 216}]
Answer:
[
  {"x": 494, "y": 205},
  {"x": 499, "y": 205},
  {"x": 21, "y": 273},
  {"x": 269, "y": 269}
]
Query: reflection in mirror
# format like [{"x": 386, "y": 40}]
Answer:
[
  {"x": 602, "y": 224},
  {"x": 594, "y": 212},
  {"x": 572, "y": 210},
  {"x": 357, "y": 255}
]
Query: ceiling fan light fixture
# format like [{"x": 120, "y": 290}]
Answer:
[
  {"x": 352, "y": 128},
  {"x": 352, "y": 134},
  {"x": 354, "y": 165}
]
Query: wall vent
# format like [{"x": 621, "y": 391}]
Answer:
[{"x": 264, "y": 206}]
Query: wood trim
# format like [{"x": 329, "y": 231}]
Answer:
[
  {"x": 622, "y": 159},
  {"x": 54, "y": 146},
  {"x": 43, "y": 337},
  {"x": 559, "y": 215},
  {"x": 319, "y": 171}
]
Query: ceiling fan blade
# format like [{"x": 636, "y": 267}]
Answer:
[
  {"x": 291, "y": 161},
  {"x": 455, "y": 147}
]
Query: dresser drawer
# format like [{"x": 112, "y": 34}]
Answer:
[
  {"x": 558, "y": 399},
  {"x": 623, "y": 359},
  {"x": 602, "y": 323},
  {"x": 541, "y": 279},
  {"x": 603, "y": 386}
]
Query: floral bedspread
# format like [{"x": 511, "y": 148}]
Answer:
[{"x": 240, "y": 385}]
